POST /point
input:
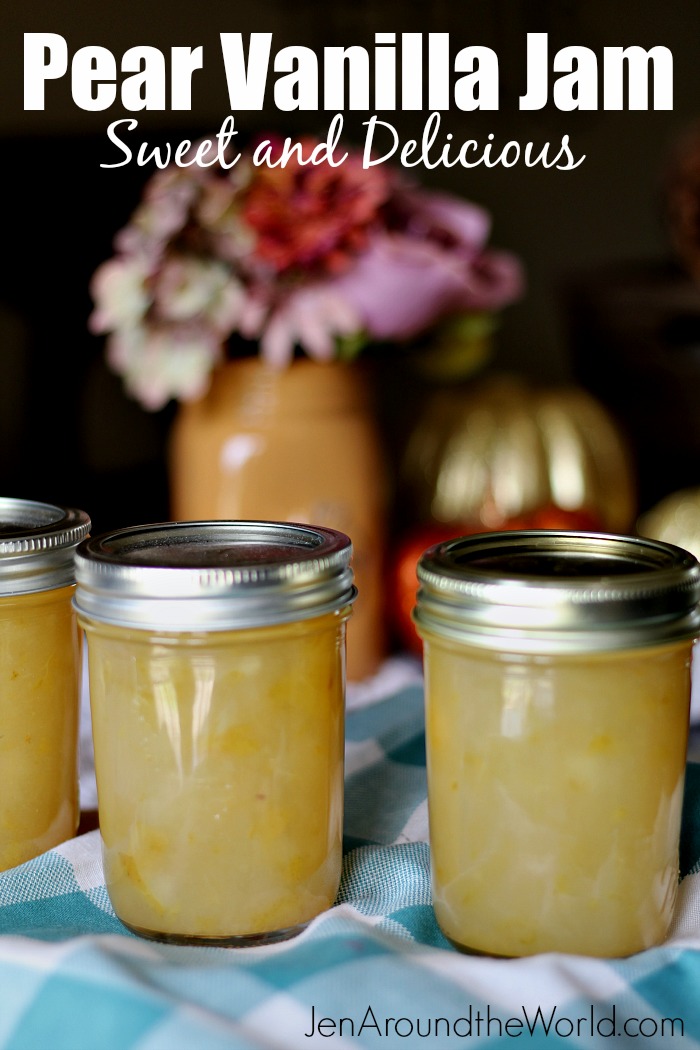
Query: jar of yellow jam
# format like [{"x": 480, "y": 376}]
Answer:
[
  {"x": 39, "y": 677},
  {"x": 216, "y": 655},
  {"x": 557, "y": 687}
]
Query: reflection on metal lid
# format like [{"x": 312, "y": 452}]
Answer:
[
  {"x": 213, "y": 575},
  {"x": 555, "y": 591},
  {"x": 37, "y": 544}
]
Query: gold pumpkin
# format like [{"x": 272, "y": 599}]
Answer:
[
  {"x": 675, "y": 519},
  {"x": 501, "y": 448}
]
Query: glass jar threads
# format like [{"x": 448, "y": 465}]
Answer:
[
  {"x": 557, "y": 694},
  {"x": 217, "y": 686},
  {"x": 39, "y": 676}
]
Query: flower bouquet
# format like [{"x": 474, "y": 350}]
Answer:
[
  {"x": 321, "y": 259},
  {"x": 270, "y": 263}
]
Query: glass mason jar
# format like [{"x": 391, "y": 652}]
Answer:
[
  {"x": 40, "y": 675},
  {"x": 216, "y": 654},
  {"x": 557, "y": 678}
]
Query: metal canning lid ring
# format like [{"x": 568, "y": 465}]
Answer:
[
  {"x": 213, "y": 575},
  {"x": 547, "y": 591},
  {"x": 37, "y": 545}
]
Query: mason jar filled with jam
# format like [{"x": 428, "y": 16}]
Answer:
[
  {"x": 39, "y": 677},
  {"x": 557, "y": 699},
  {"x": 217, "y": 686}
]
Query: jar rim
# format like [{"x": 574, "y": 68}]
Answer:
[
  {"x": 37, "y": 544},
  {"x": 551, "y": 590},
  {"x": 213, "y": 575}
]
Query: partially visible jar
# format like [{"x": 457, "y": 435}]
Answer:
[
  {"x": 217, "y": 684},
  {"x": 39, "y": 677},
  {"x": 557, "y": 699}
]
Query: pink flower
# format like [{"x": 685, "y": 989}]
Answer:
[
  {"x": 401, "y": 286},
  {"x": 161, "y": 215},
  {"x": 441, "y": 217},
  {"x": 312, "y": 316},
  {"x": 218, "y": 213},
  {"x": 429, "y": 263}
]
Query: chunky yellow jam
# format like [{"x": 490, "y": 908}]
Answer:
[
  {"x": 555, "y": 793},
  {"x": 39, "y": 697},
  {"x": 219, "y": 762}
]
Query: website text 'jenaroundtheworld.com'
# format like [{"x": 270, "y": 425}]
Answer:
[{"x": 596, "y": 1022}]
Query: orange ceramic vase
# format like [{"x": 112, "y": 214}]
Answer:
[{"x": 296, "y": 444}]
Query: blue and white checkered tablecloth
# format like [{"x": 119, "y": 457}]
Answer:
[{"x": 374, "y": 971}]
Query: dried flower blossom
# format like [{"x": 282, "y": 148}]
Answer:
[
  {"x": 314, "y": 218},
  {"x": 308, "y": 256},
  {"x": 190, "y": 287},
  {"x": 120, "y": 289},
  {"x": 158, "y": 364}
]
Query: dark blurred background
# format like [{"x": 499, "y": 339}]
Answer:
[{"x": 607, "y": 304}]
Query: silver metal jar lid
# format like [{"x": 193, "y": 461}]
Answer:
[
  {"x": 213, "y": 575},
  {"x": 547, "y": 591},
  {"x": 37, "y": 545}
]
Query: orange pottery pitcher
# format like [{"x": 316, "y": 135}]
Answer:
[{"x": 296, "y": 444}]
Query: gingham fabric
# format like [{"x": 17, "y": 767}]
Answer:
[{"x": 374, "y": 971}]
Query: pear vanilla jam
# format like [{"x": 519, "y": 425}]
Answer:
[
  {"x": 217, "y": 683},
  {"x": 40, "y": 675},
  {"x": 557, "y": 676}
]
